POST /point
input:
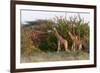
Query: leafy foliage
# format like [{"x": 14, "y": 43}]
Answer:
[
  {"x": 27, "y": 46},
  {"x": 74, "y": 24},
  {"x": 49, "y": 42}
]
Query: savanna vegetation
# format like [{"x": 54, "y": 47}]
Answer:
[{"x": 38, "y": 42}]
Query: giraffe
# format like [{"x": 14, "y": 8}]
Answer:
[
  {"x": 60, "y": 41},
  {"x": 36, "y": 33},
  {"x": 76, "y": 43}
]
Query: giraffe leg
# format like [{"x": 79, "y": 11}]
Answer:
[
  {"x": 80, "y": 46},
  {"x": 58, "y": 49},
  {"x": 66, "y": 47},
  {"x": 74, "y": 47},
  {"x": 67, "y": 50}
]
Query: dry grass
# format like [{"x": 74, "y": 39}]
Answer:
[{"x": 54, "y": 56}]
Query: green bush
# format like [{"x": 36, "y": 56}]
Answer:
[
  {"x": 74, "y": 24},
  {"x": 49, "y": 42}
]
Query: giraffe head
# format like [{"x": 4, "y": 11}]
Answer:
[
  {"x": 54, "y": 29},
  {"x": 69, "y": 33},
  {"x": 49, "y": 31}
]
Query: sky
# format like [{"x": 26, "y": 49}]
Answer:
[{"x": 30, "y": 15}]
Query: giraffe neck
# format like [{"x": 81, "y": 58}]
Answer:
[
  {"x": 72, "y": 37},
  {"x": 58, "y": 35}
]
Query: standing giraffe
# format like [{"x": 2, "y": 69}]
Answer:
[
  {"x": 76, "y": 43},
  {"x": 60, "y": 41}
]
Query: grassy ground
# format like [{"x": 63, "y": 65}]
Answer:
[{"x": 54, "y": 56}]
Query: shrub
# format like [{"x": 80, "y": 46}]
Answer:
[{"x": 49, "y": 42}]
